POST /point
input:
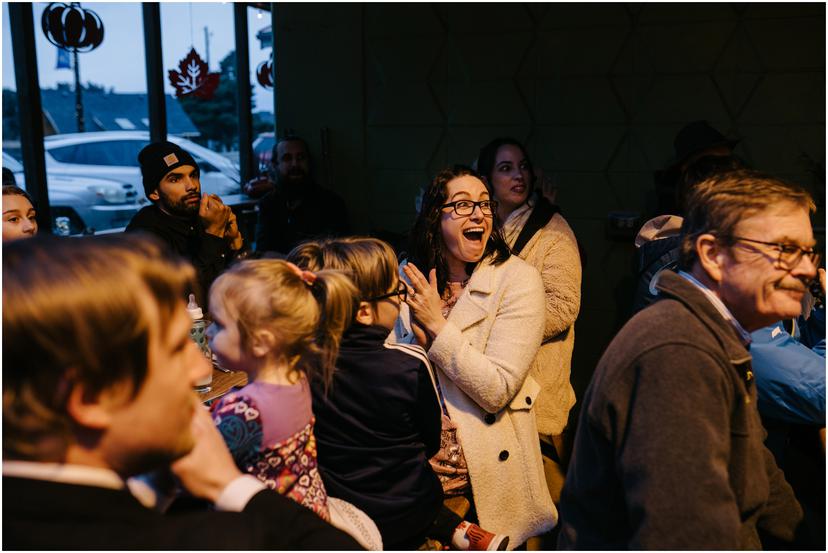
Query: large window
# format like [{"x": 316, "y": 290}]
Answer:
[
  {"x": 209, "y": 116},
  {"x": 260, "y": 44},
  {"x": 90, "y": 155},
  {"x": 112, "y": 76},
  {"x": 11, "y": 122}
]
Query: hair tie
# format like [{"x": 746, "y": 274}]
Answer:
[{"x": 307, "y": 277}]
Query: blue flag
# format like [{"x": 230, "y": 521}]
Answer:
[{"x": 63, "y": 60}]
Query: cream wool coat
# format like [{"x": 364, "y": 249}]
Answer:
[
  {"x": 553, "y": 251},
  {"x": 483, "y": 357}
]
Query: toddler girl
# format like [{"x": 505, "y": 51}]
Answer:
[{"x": 282, "y": 326}]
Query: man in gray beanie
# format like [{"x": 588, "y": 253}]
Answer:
[{"x": 199, "y": 228}]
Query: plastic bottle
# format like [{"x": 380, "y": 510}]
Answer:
[{"x": 198, "y": 332}]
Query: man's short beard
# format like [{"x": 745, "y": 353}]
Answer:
[
  {"x": 294, "y": 186},
  {"x": 180, "y": 208}
]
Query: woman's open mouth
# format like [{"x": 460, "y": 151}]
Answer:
[{"x": 474, "y": 234}]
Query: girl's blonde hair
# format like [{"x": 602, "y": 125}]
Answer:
[
  {"x": 370, "y": 263},
  {"x": 306, "y": 313}
]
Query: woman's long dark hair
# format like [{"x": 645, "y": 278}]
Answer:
[
  {"x": 488, "y": 155},
  {"x": 427, "y": 246}
]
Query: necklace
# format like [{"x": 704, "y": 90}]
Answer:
[{"x": 453, "y": 292}]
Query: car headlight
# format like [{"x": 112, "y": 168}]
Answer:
[
  {"x": 66, "y": 221},
  {"x": 110, "y": 194}
]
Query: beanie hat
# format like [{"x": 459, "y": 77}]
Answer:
[{"x": 158, "y": 159}]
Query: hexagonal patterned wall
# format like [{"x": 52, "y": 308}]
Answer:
[{"x": 597, "y": 92}]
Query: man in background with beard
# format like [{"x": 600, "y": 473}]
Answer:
[
  {"x": 297, "y": 209},
  {"x": 199, "y": 228}
]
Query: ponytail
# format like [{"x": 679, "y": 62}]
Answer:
[
  {"x": 338, "y": 301},
  {"x": 307, "y": 312}
]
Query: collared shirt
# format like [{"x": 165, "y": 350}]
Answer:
[
  {"x": 234, "y": 497},
  {"x": 720, "y": 307}
]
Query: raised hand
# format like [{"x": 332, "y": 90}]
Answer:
[
  {"x": 232, "y": 233},
  {"x": 424, "y": 300},
  {"x": 209, "y": 467},
  {"x": 213, "y": 214}
]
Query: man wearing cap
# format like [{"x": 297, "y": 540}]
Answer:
[{"x": 199, "y": 228}]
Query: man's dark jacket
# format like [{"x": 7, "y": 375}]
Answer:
[
  {"x": 376, "y": 429},
  {"x": 39, "y": 514},
  {"x": 209, "y": 254},
  {"x": 668, "y": 452},
  {"x": 282, "y": 225}
]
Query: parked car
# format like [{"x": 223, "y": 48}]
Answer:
[
  {"x": 83, "y": 205},
  {"x": 114, "y": 155}
]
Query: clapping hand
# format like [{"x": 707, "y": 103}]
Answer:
[{"x": 424, "y": 301}]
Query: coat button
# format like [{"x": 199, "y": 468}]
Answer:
[
  {"x": 528, "y": 400},
  {"x": 504, "y": 455},
  {"x": 489, "y": 418}
]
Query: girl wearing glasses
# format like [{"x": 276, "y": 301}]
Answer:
[
  {"x": 479, "y": 313},
  {"x": 379, "y": 422},
  {"x": 537, "y": 232}
]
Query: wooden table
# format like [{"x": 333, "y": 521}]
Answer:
[{"x": 223, "y": 382}]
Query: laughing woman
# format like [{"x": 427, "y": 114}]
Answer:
[{"x": 480, "y": 316}]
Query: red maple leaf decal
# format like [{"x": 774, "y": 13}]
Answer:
[
  {"x": 193, "y": 77},
  {"x": 264, "y": 73}
]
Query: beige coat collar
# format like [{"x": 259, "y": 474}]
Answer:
[{"x": 472, "y": 306}]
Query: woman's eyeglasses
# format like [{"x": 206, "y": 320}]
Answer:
[
  {"x": 401, "y": 292},
  {"x": 464, "y": 208}
]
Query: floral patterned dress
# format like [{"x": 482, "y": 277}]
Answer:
[{"x": 269, "y": 431}]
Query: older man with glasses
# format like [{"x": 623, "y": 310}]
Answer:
[{"x": 669, "y": 452}]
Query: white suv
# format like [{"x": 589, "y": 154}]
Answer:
[{"x": 114, "y": 155}]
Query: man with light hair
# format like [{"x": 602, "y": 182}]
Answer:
[
  {"x": 669, "y": 452},
  {"x": 98, "y": 369}
]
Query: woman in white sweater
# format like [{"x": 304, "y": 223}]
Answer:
[
  {"x": 480, "y": 315},
  {"x": 549, "y": 245}
]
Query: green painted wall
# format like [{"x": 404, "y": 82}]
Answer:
[{"x": 597, "y": 91}]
